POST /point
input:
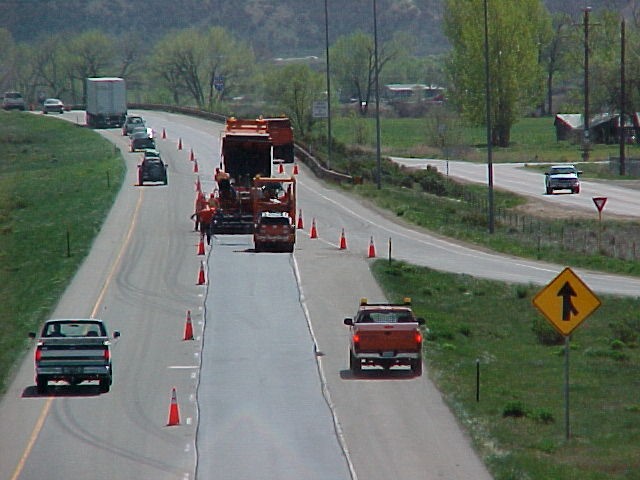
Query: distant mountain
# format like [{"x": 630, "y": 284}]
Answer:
[{"x": 275, "y": 28}]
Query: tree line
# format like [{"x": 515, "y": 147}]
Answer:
[{"x": 535, "y": 65}]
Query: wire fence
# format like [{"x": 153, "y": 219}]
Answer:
[{"x": 613, "y": 239}]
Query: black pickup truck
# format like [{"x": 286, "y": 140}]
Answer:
[{"x": 74, "y": 351}]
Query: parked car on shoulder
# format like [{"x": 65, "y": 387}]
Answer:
[
  {"x": 13, "y": 101},
  {"x": 562, "y": 177},
  {"x": 52, "y": 105},
  {"x": 131, "y": 122}
]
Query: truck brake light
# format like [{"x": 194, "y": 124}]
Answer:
[
  {"x": 107, "y": 353},
  {"x": 38, "y": 353},
  {"x": 418, "y": 338},
  {"x": 356, "y": 339}
]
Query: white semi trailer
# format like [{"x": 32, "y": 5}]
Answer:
[{"x": 106, "y": 102}]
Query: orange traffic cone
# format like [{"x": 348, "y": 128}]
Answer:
[
  {"x": 295, "y": 169},
  {"x": 180, "y": 143},
  {"x": 372, "y": 248},
  {"x": 300, "y": 225},
  {"x": 343, "y": 241},
  {"x": 192, "y": 156},
  {"x": 201, "y": 245},
  {"x": 195, "y": 166},
  {"x": 314, "y": 231},
  {"x": 164, "y": 134},
  {"x": 198, "y": 185},
  {"x": 201, "y": 279},
  {"x": 174, "y": 414},
  {"x": 188, "y": 328},
  {"x": 280, "y": 168}
]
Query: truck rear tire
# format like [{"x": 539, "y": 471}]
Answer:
[
  {"x": 105, "y": 384},
  {"x": 416, "y": 367},
  {"x": 354, "y": 364},
  {"x": 42, "y": 384}
]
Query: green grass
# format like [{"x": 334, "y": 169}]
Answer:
[
  {"x": 532, "y": 140},
  {"x": 57, "y": 181},
  {"x": 518, "y": 424}
]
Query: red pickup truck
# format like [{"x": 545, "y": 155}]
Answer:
[{"x": 385, "y": 334}]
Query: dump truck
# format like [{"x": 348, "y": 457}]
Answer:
[
  {"x": 274, "y": 208},
  {"x": 73, "y": 351},
  {"x": 106, "y": 102},
  {"x": 246, "y": 153},
  {"x": 385, "y": 335},
  {"x": 281, "y": 133}
]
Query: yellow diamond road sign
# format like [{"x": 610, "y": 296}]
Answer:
[{"x": 566, "y": 302}]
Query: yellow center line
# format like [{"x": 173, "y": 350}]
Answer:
[{"x": 47, "y": 405}]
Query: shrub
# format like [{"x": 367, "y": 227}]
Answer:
[
  {"x": 624, "y": 331},
  {"x": 545, "y": 333},
  {"x": 514, "y": 409},
  {"x": 542, "y": 416}
]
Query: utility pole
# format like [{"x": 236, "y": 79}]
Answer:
[
  {"x": 489, "y": 127},
  {"x": 623, "y": 100},
  {"x": 586, "y": 141},
  {"x": 326, "y": 41},
  {"x": 375, "y": 54}
]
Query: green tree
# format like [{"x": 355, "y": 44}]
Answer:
[
  {"x": 189, "y": 61},
  {"x": 353, "y": 66},
  {"x": 7, "y": 51},
  {"x": 293, "y": 89},
  {"x": 229, "y": 59},
  {"x": 515, "y": 30},
  {"x": 557, "y": 52},
  {"x": 90, "y": 54},
  {"x": 50, "y": 61}
]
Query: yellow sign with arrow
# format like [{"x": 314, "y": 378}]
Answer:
[{"x": 566, "y": 302}]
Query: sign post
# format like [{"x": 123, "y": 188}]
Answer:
[
  {"x": 566, "y": 302},
  {"x": 599, "y": 203}
]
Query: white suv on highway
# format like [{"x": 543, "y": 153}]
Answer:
[{"x": 562, "y": 177}]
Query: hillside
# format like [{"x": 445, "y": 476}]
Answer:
[{"x": 275, "y": 29}]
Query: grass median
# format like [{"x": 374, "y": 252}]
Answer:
[
  {"x": 57, "y": 184},
  {"x": 518, "y": 422}
]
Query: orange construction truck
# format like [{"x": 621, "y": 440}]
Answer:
[
  {"x": 274, "y": 207},
  {"x": 246, "y": 152},
  {"x": 385, "y": 335}
]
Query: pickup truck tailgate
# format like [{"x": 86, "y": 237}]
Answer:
[
  {"x": 73, "y": 351},
  {"x": 380, "y": 338}
]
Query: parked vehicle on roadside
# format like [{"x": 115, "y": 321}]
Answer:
[{"x": 13, "y": 101}]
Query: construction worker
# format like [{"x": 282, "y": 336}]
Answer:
[
  {"x": 203, "y": 218},
  {"x": 201, "y": 203}
]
